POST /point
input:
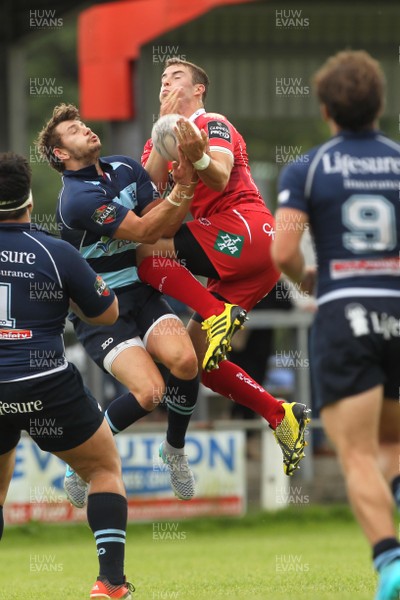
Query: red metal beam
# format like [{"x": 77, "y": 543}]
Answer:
[{"x": 109, "y": 40}]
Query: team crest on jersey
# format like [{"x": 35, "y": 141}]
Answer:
[
  {"x": 107, "y": 213},
  {"x": 101, "y": 287},
  {"x": 229, "y": 243},
  {"x": 219, "y": 129}
]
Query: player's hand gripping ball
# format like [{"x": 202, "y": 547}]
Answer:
[{"x": 164, "y": 138}]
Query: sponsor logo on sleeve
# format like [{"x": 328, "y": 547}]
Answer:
[
  {"x": 219, "y": 129},
  {"x": 107, "y": 213},
  {"x": 101, "y": 287}
]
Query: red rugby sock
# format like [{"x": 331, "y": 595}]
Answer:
[
  {"x": 234, "y": 383},
  {"x": 171, "y": 278}
]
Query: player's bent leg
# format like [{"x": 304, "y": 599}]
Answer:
[
  {"x": 160, "y": 267},
  {"x": 288, "y": 420},
  {"x": 352, "y": 425},
  {"x": 7, "y": 462},
  {"x": 98, "y": 462},
  {"x": 199, "y": 340},
  {"x": 135, "y": 369},
  {"x": 389, "y": 445},
  {"x": 168, "y": 342}
]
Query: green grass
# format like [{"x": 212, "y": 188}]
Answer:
[{"x": 308, "y": 553}]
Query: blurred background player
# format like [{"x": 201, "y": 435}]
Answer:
[
  {"x": 228, "y": 241},
  {"x": 348, "y": 191},
  {"x": 99, "y": 210},
  {"x": 52, "y": 388}
]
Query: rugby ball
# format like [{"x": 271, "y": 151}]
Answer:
[{"x": 164, "y": 138}]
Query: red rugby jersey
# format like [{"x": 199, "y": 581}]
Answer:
[{"x": 241, "y": 189}]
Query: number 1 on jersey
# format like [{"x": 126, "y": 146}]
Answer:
[{"x": 5, "y": 306}]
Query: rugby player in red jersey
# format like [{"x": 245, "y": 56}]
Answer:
[{"x": 228, "y": 241}]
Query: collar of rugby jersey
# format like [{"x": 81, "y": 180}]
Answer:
[
  {"x": 363, "y": 133},
  {"x": 196, "y": 114},
  {"x": 90, "y": 172}
]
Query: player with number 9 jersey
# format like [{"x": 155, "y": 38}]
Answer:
[{"x": 347, "y": 190}]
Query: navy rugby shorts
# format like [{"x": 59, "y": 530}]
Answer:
[
  {"x": 140, "y": 308},
  {"x": 57, "y": 411},
  {"x": 355, "y": 346}
]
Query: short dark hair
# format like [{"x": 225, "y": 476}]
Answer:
[
  {"x": 48, "y": 138},
  {"x": 351, "y": 84},
  {"x": 15, "y": 185},
  {"x": 198, "y": 74}
]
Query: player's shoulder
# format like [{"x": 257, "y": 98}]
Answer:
[
  {"x": 121, "y": 160},
  {"x": 52, "y": 244},
  {"x": 294, "y": 175},
  {"x": 74, "y": 191},
  {"x": 388, "y": 142},
  {"x": 214, "y": 115},
  {"x": 208, "y": 117},
  {"x": 299, "y": 164},
  {"x": 294, "y": 164},
  {"x": 217, "y": 127}
]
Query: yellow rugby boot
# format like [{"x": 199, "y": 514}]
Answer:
[{"x": 220, "y": 329}]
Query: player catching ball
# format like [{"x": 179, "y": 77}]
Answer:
[{"x": 228, "y": 241}]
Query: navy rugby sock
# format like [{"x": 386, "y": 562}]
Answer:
[
  {"x": 124, "y": 411},
  {"x": 107, "y": 515},
  {"x": 1, "y": 522},
  {"x": 385, "y": 552},
  {"x": 180, "y": 398}
]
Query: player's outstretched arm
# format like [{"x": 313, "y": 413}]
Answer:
[
  {"x": 168, "y": 215},
  {"x": 162, "y": 218}
]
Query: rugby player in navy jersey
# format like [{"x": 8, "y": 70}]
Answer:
[
  {"x": 347, "y": 190},
  {"x": 32, "y": 324},
  {"x": 106, "y": 206}
]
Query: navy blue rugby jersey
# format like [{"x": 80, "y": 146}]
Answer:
[
  {"x": 38, "y": 276},
  {"x": 349, "y": 187},
  {"x": 91, "y": 207}
]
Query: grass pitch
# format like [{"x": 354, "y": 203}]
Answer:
[{"x": 307, "y": 553}]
